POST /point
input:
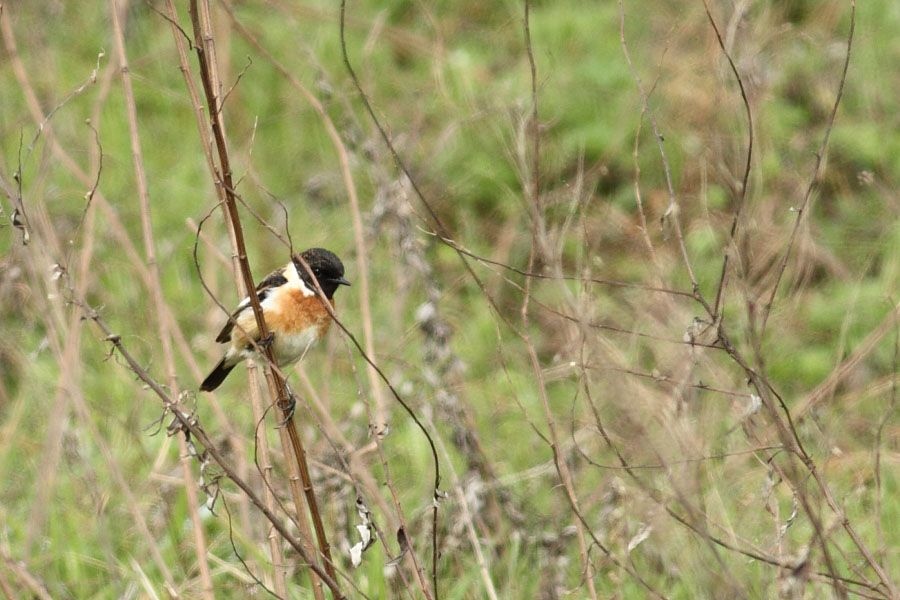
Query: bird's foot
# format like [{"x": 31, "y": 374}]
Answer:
[
  {"x": 287, "y": 406},
  {"x": 267, "y": 341}
]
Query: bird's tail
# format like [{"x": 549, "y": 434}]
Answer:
[{"x": 218, "y": 375}]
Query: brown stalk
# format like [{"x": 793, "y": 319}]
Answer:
[
  {"x": 362, "y": 273},
  {"x": 266, "y": 472},
  {"x": 65, "y": 356},
  {"x": 165, "y": 337},
  {"x": 115, "y": 226},
  {"x": 256, "y": 403},
  {"x": 444, "y": 236},
  {"x": 353, "y": 467},
  {"x": 280, "y": 568},
  {"x": 889, "y": 413},
  {"x": 848, "y": 365},
  {"x": 40, "y": 261},
  {"x": 786, "y": 427},
  {"x": 791, "y": 439},
  {"x": 357, "y": 469},
  {"x": 69, "y": 379},
  {"x": 277, "y": 386},
  {"x": 699, "y": 529},
  {"x": 255, "y": 398},
  {"x": 189, "y": 424},
  {"x": 69, "y": 376},
  {"x": 180, "y": 37}
]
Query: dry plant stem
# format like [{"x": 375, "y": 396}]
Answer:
[
  {"x": 34, "y": 585},
  {"x": 442, "y": 368},
  {"x": 792, "y": 440},
  {"x": 645, "y": 233},
  {"x": 252, "y": 370},
  {"x": 466, "y": 515},
  {"x": 820, "y": 155},
  {"x": 533, "y": 190},
  {"x": 388, "y": 481},
  {"x": 190, "y": 424},
  {"x": 204, "y": 134},
  {"x": 674, "y": 207},
  {"x": 69, "y": 383},
  {"x": 69, "y": 380},
  {"x": 624, "y": 566},
  {"x": 409, "y": 551},
  {"x": 445, "y": 239},
  {"x": 277, "y": 386},
  {"x": 825, "y": 389},
  {"x": 562, "y": 467},
  {"x": 731, "y": 247},
  {"x": 68, "y": 377},
  {"x": 353, "y": 468},
  {"x": 442, "y": 233},
  {"x": 265, "y": 460},
  {"x": 656, "y": 496},
  {"x": 156, "y": 296},
  {"x": 84, "y": 414},
  {"x": 69, "y": 373},
  {"x": 40, "y": 263},
  {"x": 8, "y": 592},
  {"x": 417, "y": 569},
  {"x": 888, "y": 414},
  {"x": 537, "y": 215},
  {"x": 116, "y": 228},
  {"x": 381, "y": 411},
  {"x": 357, "y": 469}
]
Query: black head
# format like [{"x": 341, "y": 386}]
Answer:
[{"x": 328, "y": 269}]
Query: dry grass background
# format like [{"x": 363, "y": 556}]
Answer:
[{"x": 540, "y": 289}]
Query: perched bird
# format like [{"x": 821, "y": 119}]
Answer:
[{"x": 295, "y": 315}]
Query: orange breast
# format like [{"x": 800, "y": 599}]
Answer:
[{"x": 296, "y": 312}]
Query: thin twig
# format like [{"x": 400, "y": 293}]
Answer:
[
  {"x": 277, "y": 387},
  {"x": 731, "y": 247},
  {"x": 362, "y": 273},
  {"x": 814, "y": 176},
  {"x": 156, "y": 295}
]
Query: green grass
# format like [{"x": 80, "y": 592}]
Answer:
[{"x": 451, "y": 82}]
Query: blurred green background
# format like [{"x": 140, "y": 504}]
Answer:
[{"x": 451, "y": 82}]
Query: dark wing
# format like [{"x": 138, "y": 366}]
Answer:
[{"x": 272, "y": 281}]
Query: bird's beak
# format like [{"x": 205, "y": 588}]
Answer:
[{"x": 342, "y": 281}]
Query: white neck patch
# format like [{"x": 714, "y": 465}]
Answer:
[{"x": 294, "y": 280}]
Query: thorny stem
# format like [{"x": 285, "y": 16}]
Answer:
[
  {"x": 190, "y": 424},
  {"x": 275, "y": 549},
  {"x": 277, "y": 386}
]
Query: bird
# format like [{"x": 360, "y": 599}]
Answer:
[{"x": 294, "y": 313}]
